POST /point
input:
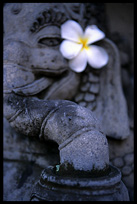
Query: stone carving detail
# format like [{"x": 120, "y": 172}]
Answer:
[
  {"x": 38, "y": 81},
  {"x": 49, "y": 16},
  {"x": 35, "y": 59},
  {"x": 89, "y": 89},
  {"x": 125, "y": 163},
  {"x": 28, "y": 71},
  {"x": 109, "y": 188}
]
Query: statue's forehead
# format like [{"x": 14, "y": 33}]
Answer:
[
  {"x": 23, "y": 9},
  {"x": 31, "y": 10},
  {"x": 21, "y": 17},
  {"x": 48, "y": 16},
  {"x": 26, "y": 13}
]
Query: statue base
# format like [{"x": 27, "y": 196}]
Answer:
[{"x": 53, "y": 187}]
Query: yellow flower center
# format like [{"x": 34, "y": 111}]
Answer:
[{"x": 84, "y": 41}]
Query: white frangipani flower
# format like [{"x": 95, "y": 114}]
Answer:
[{"x": 78, "y": 49}]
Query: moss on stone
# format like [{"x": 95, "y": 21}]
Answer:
[{"x": 68, "y": 170}]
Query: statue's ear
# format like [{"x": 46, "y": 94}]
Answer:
[{"x": 111, "y": 104}]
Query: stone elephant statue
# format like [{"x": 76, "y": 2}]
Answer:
[{"x": 38, "y": 84}]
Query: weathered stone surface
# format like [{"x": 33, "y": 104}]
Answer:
[
  {"x": 83, "y": 103},
  {"x": 85, "y": 87},
  {"x": 126, "y": 170},
  {"x": 118, "y": 162},
  {"x": 111, "y": 105},
  {"x": 108, "y": 188},
  {"x": 94, "y": 88},
  {"x": 79, "y": 97},
  {"x": 94, "y": 146},
  {"x": 89, "y": 97},
  {"x": 93, "y": 78},
  {"x": 121, "y": 149},
  {"x": 124, "y": 58},
  {"x": 18, "y": 179},
  {"x": 91, "y": 105},
  {"x": 33, "y": 62},
  {"x": 25, "y": 74},
  {"x": 18, "y": 147},
  {"x": 129, "y": 159}
]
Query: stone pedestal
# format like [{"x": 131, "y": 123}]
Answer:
[{"x": 53, "y": 187}]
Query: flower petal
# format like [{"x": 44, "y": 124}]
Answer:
[
  {"x": 70, "y": 49},
  {"x": 93, "y": 33},
  {"x": 97, "y": 56},
  {"x": 71, "y": 30},
  {"x": 79, "y": 63}
]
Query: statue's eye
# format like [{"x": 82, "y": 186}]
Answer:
[{"x": 50, "y": 41}]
